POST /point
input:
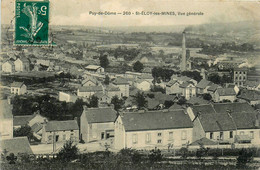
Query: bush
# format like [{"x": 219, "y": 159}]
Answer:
[
  {"x": 184, "y": 152},
  {"x": 68, "y": 152},
  {"x": 155, "y": 155},
  {"x": 245, "y": 156}
]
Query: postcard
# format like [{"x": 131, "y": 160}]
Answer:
[{"x": 137, "y": 84}]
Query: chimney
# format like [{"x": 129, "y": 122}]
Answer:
[{"x": 183, "y": 59}]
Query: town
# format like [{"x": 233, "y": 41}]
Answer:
[{"x": 105, "y": 90}]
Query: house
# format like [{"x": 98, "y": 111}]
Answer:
[
  {"x": 188, "y": 90},
  {"x": 147, "y": 77},
  {"x": 224, "y": 94},
  {"x": 250, "y": 96},
  {"x": 8, "y": 67},
  {"x": 202, "y": 86},
  {"x": 143, "y": 85},
  {"x": 60, "y": 131},
  {"x": 67, "y": 97},
  {"x": 212, "y": 89},
  {"x": 103, "y": 98},
  {"x": 224, "y": 122},
  {"x": 88, "y": 91},
  {"x": 240, "y": 76},
  {"x": 17, "y": 145},
  {"x": 18, "y": 88},
  {"x": 235, "y": 87},
  {"x": 252, "y": 85},
  {"x": 29, "y": 120},
  {"x": 22, "y": 64},
  {"x": 123, "y": 86},
  {"x": 90, "y": 81},
  {"x": 112, "y": 90},
  {"x": 173, "y": 87},
  {"x": 37, "y": 130},
  {"x": 147, "y": 130},
  {"x": 97, "y": 123},
  {"x": 95, "y": 69},
  {"x": 197, "y": 101},
  {"x": 182, "y": 79},
  {"x": 6, "y": 120}
]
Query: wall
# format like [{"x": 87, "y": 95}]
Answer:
[
  {"x": 124, "y": 90},
  {"x": 119, "y": 140},
  {"x": 63, "y": 136},
  {"x": 37, "y": 119},
  {"x": 231, "y": 98},
  {"x": 96, "y": 129},
  {"x": 198, "y": 131},
  {"x": 7, "y": 67},
  {"x": 6, "y": 128},
  {"x": 18, "y": 65},
  {"x": 83, "y": 127},
  {"x": 174, "y": 89},
  {"x": 144, "y": 86},
  {"x": 176, "y": 141}
]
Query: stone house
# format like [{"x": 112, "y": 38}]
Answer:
[
  {"x": 224, "y": 94},
  {"x": 8, "y": 67},
  {"x": 18, "y": 88},
  {"x": 22, "y": 64},
  {"x": 123, "y": 86}
]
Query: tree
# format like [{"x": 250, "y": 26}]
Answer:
[
  {"x": 93, "y": 101},
  {"x": 215, "y": 78},
  {"x": 140, "y": 100},
  {"x": 207, "y": 96},
  {"x": 24, "y": 131},
  {"x": 118, "y": 103},
  {"x": 68, "y": 152},
  {"x": 104, "y": 61},
  {"x": 138, "y": 66},
  {"x": 155, "y": 155},
  {"x": 106, "y": 82},
  {"x": 181, "y": 101}
]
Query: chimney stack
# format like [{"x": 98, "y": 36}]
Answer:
[{"x": 183, "y": 59}]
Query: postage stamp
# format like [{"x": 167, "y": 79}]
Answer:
[{"x": 31, "y": 22}]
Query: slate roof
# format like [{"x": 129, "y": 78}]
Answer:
[
  {"x": 226, "y": 92},
  {"x": 249, "y": 95},
  {"x": 90, "y": 89},
  {"x": 22, "y": 120},
  {"x": 171, "y": 82},
  {"x": 175, "y": 106},
  {"x": 203, "y": 84},
  {"x": 152, "y": 103},
  {"x": 156, "y": 120},
  {"x": 100, "y": 115},
  {"x": 252, "y": 83},
  {"x": 224, "y": 117},
  {"x": 17, "y": 84},
  {"x": 61, "y": 125},
  {"x": 5, "y": 110},
  {"x": 36, "y": 127},
  {"x": 203, "y": 141},
  {"x": 146, "y": 76},
  {"x": 16, "y": 145},
  {"x": 213, "y": 87},
  {"x": 197, "y": 100},
  {"x": 120, "y": 81},
  {"x": 112, "y": 88},
  {"x": 185, "y": 84}
]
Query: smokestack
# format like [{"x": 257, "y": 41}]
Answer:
[{"x": 183, "y": 61}]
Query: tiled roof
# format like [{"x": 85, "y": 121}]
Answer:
[
  {"x": 100, "y": 115},
  {"x": 156, "y": 120},
  {"x": 5, "y": 110},
  {"x": 226, "y": 92},
  {"x": 16, "y": 145},
  {"x": 213, "y": 87},
  {"x": 120, "y": 80},
  {"x": 91, "y": 89},
  {"x": 61, "y": 125},
  {"x": 36, "y": 127},
  {"x": 249, "y": 95},
  {"x": 203, "y": 141},
  {"x": 17, "y": 84},
  {"x": 22, "y": 120},
  {"x": 203, "y": 84}
]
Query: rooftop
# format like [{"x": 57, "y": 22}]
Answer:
[
  {"x": 6, "y": 110},
  {"x": 100, "y": 115},
  {"x": 203, "y": 84},
  {"x": 16, "y": 145},
  {"x": 17, "y": 84},
  {"x": 92, "y": 67},
  {"x": 22, "y": 120},
  {"x": 156, "y": 120},
  {"x": 61, "y": 125},
  {"x": 226, "y": 91},
  {"x": 120, "y": 81},
  {"x": 249, "y": 95},
  {"x": 90, "y": 89}
]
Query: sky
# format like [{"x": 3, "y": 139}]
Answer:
[{"x": 76, "y": 12}]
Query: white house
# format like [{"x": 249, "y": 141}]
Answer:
[
  {"x": 67, "y": 97},
  {"x": 147, "y": 130},
  {"x": 22, "y": 64},
  {"x": 6, "y": 120},
  {"x": 8, "y": 67},
  {"x": 97, "y": 123},
  {"x": 18, "y": 88},
  {"x": 173, "y": 87},
  {"x": 143, "y": 85},
  {"x": 123, "y": 86},
  {"x": 202, "y": 86},
  {"x": 88, "y": 91},
  {"x": 94, "y": 69},
  {"x": 188, "y": 90},
  {"x": 224, "y": 94},
  {"x": 225, "y": 122},
  {"x": 60, "y": 131},
  {"x": 90, "y": 81}
]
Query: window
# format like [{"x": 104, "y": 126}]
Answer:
[
  {"x": 50, "y": 137},
  {"x": 170, "y": 135},
  {"x": 252, "y": 134},
  {"x": 231, "y": 134},
  {"x": 220, "y": 135},
  {"x": 71, "y": 130},
  {"x": 159, "y": 134},
  {"x": 148, "y": 138},
  {"x": 159, "y": 141},
  {"x": 64, "y": 137},
  {"x": 183, "y": 135},
  {"x": 241, "y": 133},
  {"x": 211, "y": 135},
  {"x": 134, "y": 137}
]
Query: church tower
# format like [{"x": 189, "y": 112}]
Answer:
[{"x": 183, "y": 58}]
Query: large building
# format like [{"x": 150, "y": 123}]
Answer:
[
  {"x": 240, "y": 76},
  {"x": 147, "y": 130}
]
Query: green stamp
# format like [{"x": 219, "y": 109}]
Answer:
[{"x": 31, "y": 22}]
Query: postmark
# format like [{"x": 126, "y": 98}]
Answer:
[{"x": 31, "y": 22}]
